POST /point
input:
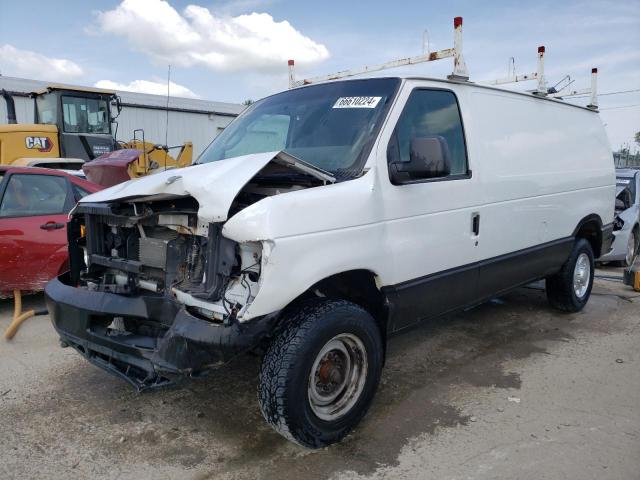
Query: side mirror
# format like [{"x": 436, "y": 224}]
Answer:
[
  {"x": 116, "y": 102},
  {"x": 429, "y": 158}
]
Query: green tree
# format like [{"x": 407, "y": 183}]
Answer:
[{"x": 637, "y": 138}]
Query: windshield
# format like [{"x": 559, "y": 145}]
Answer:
[
  {"x": 331, "y": 125},
  {"x": 85, "y": 115}
]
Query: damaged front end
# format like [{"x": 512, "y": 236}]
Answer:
[
  {"x": 152, "y": 294},
  {"x": 154, "y": 289},
  {"x": 159, "y": 247}
]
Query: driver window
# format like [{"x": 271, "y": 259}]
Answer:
[
  {"x": 430, "y": 113},
  {"x": 32, "y": 195}
]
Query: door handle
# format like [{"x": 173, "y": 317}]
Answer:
[
  {"x": 475, "y": 224},
  {"x": 51, "y": 226}
]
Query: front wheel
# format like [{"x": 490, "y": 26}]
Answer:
[
  {"x": 321, "y": 372},
  {"x": 569, "y": 289}
]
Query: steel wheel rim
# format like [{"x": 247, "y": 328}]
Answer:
[
  {"x": 631, "y": 249},
  {"x": 581, "y": 275},
  {"x": 337, "y": 377}
]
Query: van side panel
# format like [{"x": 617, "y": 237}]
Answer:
[
  {"x": 542, "y": 167},
  {"x": 539, "y": 168}
]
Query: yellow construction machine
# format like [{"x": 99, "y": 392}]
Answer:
[{"x": 74, "y": 125}]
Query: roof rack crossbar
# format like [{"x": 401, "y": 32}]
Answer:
[{"x": 459, "y": 67}]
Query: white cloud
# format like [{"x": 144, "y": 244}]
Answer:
[
  {"x": 147, "y": 86},
  {"x": 28, "y": 64},
  {"x": 198, "y": 37}
]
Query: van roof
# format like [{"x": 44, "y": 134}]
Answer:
[{"x": 497, "y": 89}]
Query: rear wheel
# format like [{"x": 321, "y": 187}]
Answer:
[
  {"x": 569, "y": 290},
  {"x": 321, "y": 372},
  {"x": 631, "y": 250}
]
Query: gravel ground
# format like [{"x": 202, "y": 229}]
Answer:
[{"x": 507, "y": 390}]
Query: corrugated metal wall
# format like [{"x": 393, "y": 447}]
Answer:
[
  {"x": 198, "y": 121},
  {"x": 197, "y": 127}
]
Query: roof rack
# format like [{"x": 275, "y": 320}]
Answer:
[
  {"x": 542, "y": 89},
  {"x": 537, "y": 75},
  {"x": 459, "y": 67},
  {"x": 460, "y": 71},
  {"x": 593, "y": 91}
]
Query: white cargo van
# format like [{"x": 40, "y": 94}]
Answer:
[{"x": 323, "y": 220}]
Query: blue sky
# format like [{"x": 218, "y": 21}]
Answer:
[{"x": 220, "y": 51}]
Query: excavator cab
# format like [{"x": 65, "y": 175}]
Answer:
[
  {"x": 75, "y": 125},
  {"x": 83, "y": 116}
]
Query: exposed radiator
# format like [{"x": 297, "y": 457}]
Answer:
[{"x": 154, "y": 249}]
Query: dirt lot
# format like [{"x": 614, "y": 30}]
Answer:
[{"x": 507, "y": 390}]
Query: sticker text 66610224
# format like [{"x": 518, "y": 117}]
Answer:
[{"x": 357, "y": 102}]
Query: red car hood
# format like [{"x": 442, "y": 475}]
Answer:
[{"x": 111, "y": 168}]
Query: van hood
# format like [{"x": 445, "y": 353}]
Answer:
[{"x": 214, "y": 185}]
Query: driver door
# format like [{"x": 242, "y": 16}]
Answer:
[
  {"x": 33, "y": 239},
  {"x": 432, "y": 224}
]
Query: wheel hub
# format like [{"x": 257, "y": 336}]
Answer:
[
  {"x": 337, "y": 377},
  {"x": 581, "y": 275},
  {"x": 631, "y": 249}
]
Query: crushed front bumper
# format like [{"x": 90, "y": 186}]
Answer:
[{"x": 180, "y": 344}]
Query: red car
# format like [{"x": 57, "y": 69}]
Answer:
[{"x": 34, "y": 203}]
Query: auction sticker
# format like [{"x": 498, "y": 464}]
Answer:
[{"x": 357, "y": 102}]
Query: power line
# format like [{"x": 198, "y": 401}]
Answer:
[{"x": 603, "y": 94}]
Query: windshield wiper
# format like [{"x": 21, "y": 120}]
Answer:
[
  {"x": 291, "y": 161},
  {"x": 288, "y": 178}
]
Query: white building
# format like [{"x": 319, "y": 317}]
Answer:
[{"x": 198, "y": 121}]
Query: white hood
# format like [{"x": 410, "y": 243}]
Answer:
[{"x": 214, "y": 185}]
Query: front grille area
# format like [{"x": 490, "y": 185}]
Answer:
[
  {"x": 151, "y": 246},
  {"x": 128, "y": 250}
]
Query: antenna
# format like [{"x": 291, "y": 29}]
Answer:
[
  {"x": 459, "y": 67},
  {"x": 426, "y": 45},
  {"x": 511, "y": 65},
  {"x": 166, "y": 126}
]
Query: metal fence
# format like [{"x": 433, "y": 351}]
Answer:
[{"x": 626, "y": 159}]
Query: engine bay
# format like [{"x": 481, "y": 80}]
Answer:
[{"x": 159, "y": 246}]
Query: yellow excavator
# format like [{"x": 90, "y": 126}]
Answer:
[{"x": 74, "y": 125}]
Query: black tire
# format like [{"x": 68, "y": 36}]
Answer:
[
  {"x": 560, "y": 288},
  {"x": 286, "y": 367}
]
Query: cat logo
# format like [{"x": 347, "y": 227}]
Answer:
[{"x": 42, "y": 144}]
